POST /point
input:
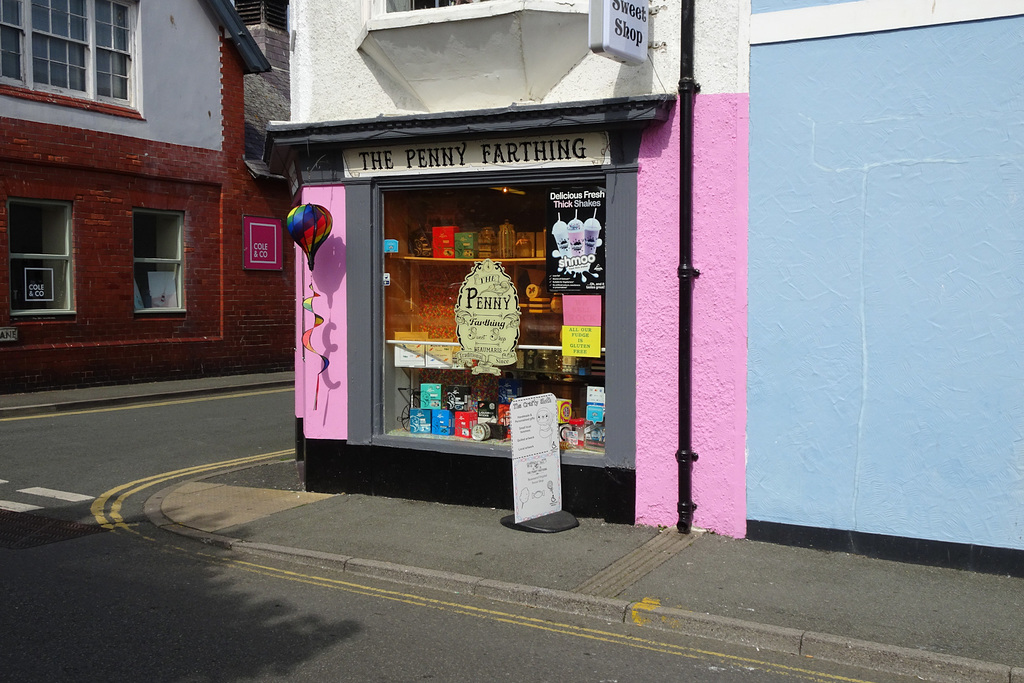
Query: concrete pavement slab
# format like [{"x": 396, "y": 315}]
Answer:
[
  {"x": 940, "y": 610},
  {"x": 213, "y": 507},
  {"x": 451, "y": 538},
  {"x": 926, "y": 665},
  {"x": 650, "y": 612},
  {"x": 691, "y": 586}
]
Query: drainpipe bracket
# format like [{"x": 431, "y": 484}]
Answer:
[
  {"x": 683, "y": 457},
  {"x": 687, "y": 273},
  {"x": 688, "y": 85}
]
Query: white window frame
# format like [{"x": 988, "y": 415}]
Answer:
[
  {"x": 169, "y": 261},
  {"x": 60, "y": 253},
  {"x": 92, "y": 50},
  {"x": 10, "y": 24},
  {"x": 429, "y": 4},
  {"x": 379, "y": 9},
  {"x": 376, "y": 16}
]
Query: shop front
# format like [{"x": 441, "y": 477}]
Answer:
[{"x": 473, "y": 258}]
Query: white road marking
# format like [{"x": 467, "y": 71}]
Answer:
[
  {"x": 11, "y": 506},
  {"x": 60, "y": 495},
  {"x": 4, "y": 481}
]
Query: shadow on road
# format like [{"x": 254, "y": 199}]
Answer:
[{"x": 115, "y": 606}]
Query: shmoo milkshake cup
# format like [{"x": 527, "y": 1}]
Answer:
[
  {"x": 591, "y": 231},
  {"x": 560, "y": 233},
  {"x": 576, "y": 236}
]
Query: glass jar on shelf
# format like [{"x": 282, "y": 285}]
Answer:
[
  {"x": 506, "y": 240},
  {"x": 524, "y": 245},
  {"x": 487, "y": 242}
]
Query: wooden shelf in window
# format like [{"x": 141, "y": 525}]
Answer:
[
  {"x": 434, "y": 342},
  {"x": 428, "y": 259}
]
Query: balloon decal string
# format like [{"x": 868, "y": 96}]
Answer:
[
  {"x": 309, "y": 225},
  {"x": 308, "y": 344}
]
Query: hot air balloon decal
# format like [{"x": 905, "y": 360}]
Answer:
[{"x": 309, "y": 225}]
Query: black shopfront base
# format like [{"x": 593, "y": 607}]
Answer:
[
  {"x": 977, "y": 558},
  {"x": 334, "y": 466}
]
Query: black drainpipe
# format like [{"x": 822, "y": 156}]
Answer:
[{"x": 688, "y": 89}]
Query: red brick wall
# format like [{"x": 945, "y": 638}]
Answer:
[{"x": 237, "y": 321}]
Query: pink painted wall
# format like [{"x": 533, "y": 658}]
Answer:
[
  {"x": 324, "y": 412},
  {"x": 720, "y": 317}
]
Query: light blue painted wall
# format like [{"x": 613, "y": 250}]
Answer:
[
  {"x": 758, "y": 6},
  {"x": 886, "y": 302}
]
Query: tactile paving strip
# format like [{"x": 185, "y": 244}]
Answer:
[
  {"x": 19, "y": 530},
  {"x": 627, "y": 570}
]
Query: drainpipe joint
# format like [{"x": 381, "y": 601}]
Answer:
[{"x": 688, "y": 86}]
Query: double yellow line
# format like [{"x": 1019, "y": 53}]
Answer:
[
  {"x": 107, "y": 511},
  {"x": 539, "y": 623},
  {"x": 111, "y": 518}
]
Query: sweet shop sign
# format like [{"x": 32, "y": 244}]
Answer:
[
  {"x": 619, "y": 29},
  {"x": 541, "y": 151}
]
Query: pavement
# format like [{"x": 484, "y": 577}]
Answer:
[{"x": 933, "y": 623}]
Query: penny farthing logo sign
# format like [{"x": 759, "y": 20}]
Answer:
[{"x": 487, "y": 319}]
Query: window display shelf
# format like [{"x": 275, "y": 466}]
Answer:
[
  {"x": 495, "y": 448},
  {"x": 429, "y": 399},
  {"x": 430, "y": 342},
  {"x": 447, "y": 261}
]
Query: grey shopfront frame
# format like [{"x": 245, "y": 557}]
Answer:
[{"x": 312, "y": 155}]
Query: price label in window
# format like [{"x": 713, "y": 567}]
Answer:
[
  {"x": 581, "y": 341},
  {"x": 39, "y": 284}
]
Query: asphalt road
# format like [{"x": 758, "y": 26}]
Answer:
[
  {"x": 92, "y": 451},
  {"x": 137, "y": 603}
]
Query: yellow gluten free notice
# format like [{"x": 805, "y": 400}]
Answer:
[{"x": 578, "y": 340}]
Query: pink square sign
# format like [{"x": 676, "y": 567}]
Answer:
[{"x": 262, "y": 243}]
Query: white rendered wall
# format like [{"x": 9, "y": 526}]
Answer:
[
  {"x": 332, "y": 80},
  {"x": 721, "y": 64}
]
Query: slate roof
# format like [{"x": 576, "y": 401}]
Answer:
[{"x": 224, "y": 11}]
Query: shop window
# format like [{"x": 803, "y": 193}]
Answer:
[
  {"x": 158, "y": 260},
  {"x": 40, "y": 256},
  {"x": 491, "y": 249},
  {"x": 81, "y": 48}
]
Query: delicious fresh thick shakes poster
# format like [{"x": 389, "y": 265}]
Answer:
[{"x": 576, "y": 240}]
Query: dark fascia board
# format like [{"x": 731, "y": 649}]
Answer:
[
  {"x": 255, "y": 61},
  {"x": 617, "y": 113}
]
